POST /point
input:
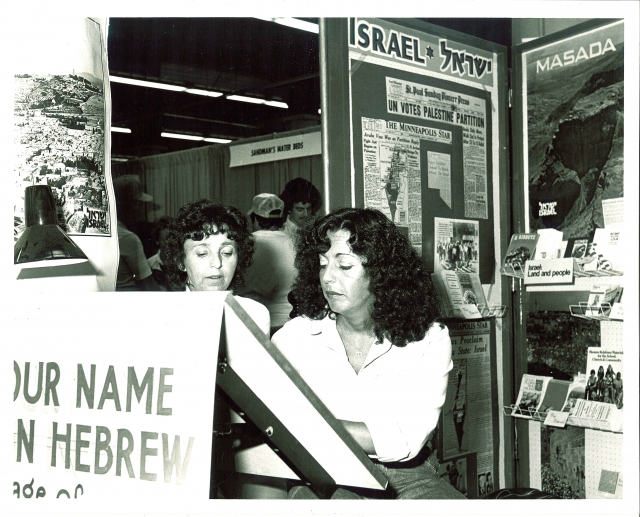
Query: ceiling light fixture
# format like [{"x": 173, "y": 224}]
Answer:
[
  {"x": 207, "y": 93},
  {"x": 163, "y": 86},
  {"x": 295, "y": 23},
  {"x": 115, "y": 129},
  {"x": 255, "y": 100},
  {"x": 218, "y": 140},
  {"x": 197, "y": 138}
]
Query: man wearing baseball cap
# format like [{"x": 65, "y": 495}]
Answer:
[
  {"x": 134, "y": 273},
  {"x": 266, "y": 212},
  {"x": 268, "y": 280}
]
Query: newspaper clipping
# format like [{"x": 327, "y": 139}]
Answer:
[
  {"x": 392, "y": 181},
  {"x": 430, "y": 103},
  {"x": 467, "y": 427}
]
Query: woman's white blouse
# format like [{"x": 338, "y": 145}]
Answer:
[
  {"x": 258, "y": 312},
  {"x": 398, "y": 393}
]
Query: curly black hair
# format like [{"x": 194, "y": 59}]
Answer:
[
  {"x": 197, "y": 220},
  {"x": 300, "y": 190},
  {"x": 406, "y": 303}
]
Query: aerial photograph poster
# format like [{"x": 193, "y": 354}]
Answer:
[{"x": 59, "y": 121}]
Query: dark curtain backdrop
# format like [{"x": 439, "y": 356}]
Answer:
[{"x": 174, "y": 179}]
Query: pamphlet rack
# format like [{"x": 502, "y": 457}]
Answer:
[
  {"x": 594, "y": 424},
  {"x": 517, "y": 271},
  {"x": 579, "y": 271},
  {"x": 593, "y": 312},
  {"x": 540, "y": 416},
  {"x": 486, "y": 311},
  {"x": 512, "y": 270},
  {"x": 492, "y": 311},
  {"x": 515, "y": 411}
]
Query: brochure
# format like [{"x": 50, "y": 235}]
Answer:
[{"x": 532, "y": 390}]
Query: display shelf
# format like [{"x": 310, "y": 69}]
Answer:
[
  {"x": 579, "y": 272},
  {"x": 474, "y": 312},
  {"x": 518, "y": 272},
  {"x": 540, "y": 416},
  {"x": 590, "y": 312},
  {"x": 515, "y": 411},
  {"x": 510, "y": 270},
  {"x": 598, "y": 426}
]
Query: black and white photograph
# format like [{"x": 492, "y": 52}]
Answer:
[{"x": 272, "y": 259}]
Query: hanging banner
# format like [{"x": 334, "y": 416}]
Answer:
[
  {"x": 307, "y": 144},
  {"x": 573, "y": 108}
]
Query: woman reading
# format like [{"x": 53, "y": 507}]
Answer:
[{"x": 368, "y": 342}]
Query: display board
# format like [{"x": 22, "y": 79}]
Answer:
[
  {"x": 127, "y": 408},
  {"x": 261, "y": 381},
  {"x": 424, "y": 129},
  {"x": 569, "y": 168}
]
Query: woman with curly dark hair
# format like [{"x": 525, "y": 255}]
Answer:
[
  {"x": 208, "y": 247},
  {"x": 368, "y": 342}
]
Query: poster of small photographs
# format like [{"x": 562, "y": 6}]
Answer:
[{"x": 59, "y": 120}]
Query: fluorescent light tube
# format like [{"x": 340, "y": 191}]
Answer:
[
  {"x": 207, "y": 93},
  {"x": 277, "y": 104},
  {"x": 295, "y": 23},
  {"x": 298, "y": 24},
  {"x": 181, "y": 136},
  {"x": 115, "y": 129},
  {"x": 163, "y": 86},
  {"x": 242, "y": 98},
  {"x": 196, "y": 138},
  {"x": 218, "y": 140},
  {"x": 148, "y": 84},
  {"x": 255, "y": 100}
]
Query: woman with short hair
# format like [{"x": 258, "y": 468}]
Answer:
[{"x": 208, "y": 247}]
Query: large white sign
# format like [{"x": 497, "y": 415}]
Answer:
[
  {"x": 307, "y": 144},
  {"x": 112, "y": 399}
]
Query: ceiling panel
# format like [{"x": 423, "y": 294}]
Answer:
[{"x": 230, "y": 55}]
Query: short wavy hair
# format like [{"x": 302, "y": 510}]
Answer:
[
  {"x": 406, "y": 303},
  {"x": 300, "y": 190},
  {"x": 197, "y": 220}
]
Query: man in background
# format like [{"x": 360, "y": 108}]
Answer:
[
  {"x": 301, "y": 202},
  {"x": 155, "y": 261},
  {"x": 134, "y": 273},
  {"x": 269, "y": 279}
]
